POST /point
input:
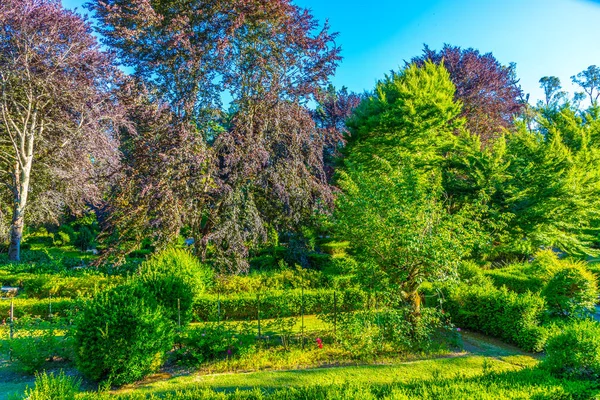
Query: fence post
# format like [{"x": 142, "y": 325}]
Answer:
[
  {"x": 334, "y": 314},
  {"x": 11, "y": 328},
  {"x": 12, "y": 314},
  {"x": 219, "y": 307},
  {"x": 258, "y": 312},
  {"x": 302, "y": 312},
  {"x": 179, "y": 313}
]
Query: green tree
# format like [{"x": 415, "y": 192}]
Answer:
[
  {"x": 395, "y": 218},
  {"x": 589, "y": 80},
  {"x": 392, "y": 206}
]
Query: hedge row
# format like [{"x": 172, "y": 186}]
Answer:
[
  {"x": 510, "y": 316},
  {"x": 273, "y": 304},
  {"x": 60, "y": 307},
  {"x": 206, "y": 307},
  {"x": 46, "y": 285},
  {"x": 515, "y": 281}
]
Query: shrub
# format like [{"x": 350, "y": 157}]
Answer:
[
  {"x": 499, "y": 312},
  {"x": 38, "y": 307},
  {"x": 51, "y": 387},
  {"x": 35, "y": 341},
  {"x": 85, "y": 238},
  {"x": 68, "y": 229},
  {"x": 61, "y": 239},
  {"x": 211, "y": 341},
  {"x": 471, "y": 273},
  {"x": 367, "y": 332},
  {"x": 515, "y": 279},
  {"x": 335, "y": 248},
  {"x": 575, "y": 351},
  {"x": 545, "y": 263},
  {"x": 121, "y": 335},
  {"x": 571, "y": 292},
  {"x": 174, "y": 278}
]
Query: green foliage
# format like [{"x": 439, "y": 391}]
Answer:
[
  {"x": 174, "y": 278},
  {"x": 366, "y": 333},
  {"x": 285, "y": 278},
  {"x": 121, "y": 335},
  {"x": 516, "y": 279},
  {"x": 572, "y": 291},
  {"x": 61, "y": 239},
  {"x": 211, "y": 341},
  {"x": 471, "y": 273},
  {"x": 85, "y": 238},
  {"x": 545, "y": 263},
  {"x": 53, "y": 387},
  {"x": 501, "y": 313},
  {"x": 36, "y": 341},
  {"x": 61, "y": 307},
  {"x": 411, "y": 113},
  {"x": 392, "y": 207},
  {"x": 396, "y": 221},
  {"x": 575, "y": 351},
  {"x": 276, "y": 304}
]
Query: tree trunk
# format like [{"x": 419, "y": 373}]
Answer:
[
  {"x": 16, "y": 234},
  {"x": 18, "y": 221}
]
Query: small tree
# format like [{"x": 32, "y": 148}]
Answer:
[
  {"x": 54, "y": 94},
  {"x": 395, "y": 218}
]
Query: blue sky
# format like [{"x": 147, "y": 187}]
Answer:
[{"x": 544, "y": 37}]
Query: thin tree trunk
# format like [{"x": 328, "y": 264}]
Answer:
[{"x": 22, "y": 177}]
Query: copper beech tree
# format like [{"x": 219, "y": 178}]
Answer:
[
  {"x": 488, "y": 90},
  {"x": 54, "y": 96},
  {"x": 232, "y": 80}
]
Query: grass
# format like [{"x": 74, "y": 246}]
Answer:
[{"x": 371, "y": 374}]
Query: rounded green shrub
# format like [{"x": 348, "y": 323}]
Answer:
[
  {"x": 174, "y": 278},
  {"x": 471, "y": 273},
  {"x": 121, "y": 335},
  {"x": 571, "y": 292},
  {"x": 545, "y": 264},
  {"x": 575, "y": 351}
]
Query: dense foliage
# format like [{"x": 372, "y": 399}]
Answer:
[
  {"x": 575, "y": 351},
  {"x": 256, "y": 165},
  {"x": 56, "y": 106},
  {"x": 571, "y": 292},
  {"x": 174, "y": 278},
  {"x": 121, "y": 335}
]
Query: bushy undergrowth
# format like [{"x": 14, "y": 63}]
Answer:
[
  {"x": 53, "y": 387},
  {"x": 370, "y": 332},
  {"x": 575, "y": 351},
  {"x": 501, "y": 313},
  {"x": 35, "y": 285},
  {"x": 121, "y": 335},
  {"x": 515, "y": 279},
  {"x": 36, "y": 341},
  {"x": 572, "y": 291},
  {"x": 174, "y": 278}
]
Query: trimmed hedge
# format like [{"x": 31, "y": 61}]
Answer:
[
  {"x": 275, "y": 304},
  {"x": 243, "y": 306},
  {"x": 506, "y": 315},
  {"x": 61, "y": 307},
  {"x": 515, "y": 280}
]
